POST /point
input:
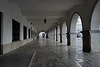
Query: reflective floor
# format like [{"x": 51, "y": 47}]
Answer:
[{"x": 48, "y": 53}]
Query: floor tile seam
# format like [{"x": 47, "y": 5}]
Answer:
[{"x": 30, "y": 63}]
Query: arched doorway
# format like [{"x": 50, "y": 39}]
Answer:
[
  {"x": 42, "y": 35},
  {"x": 55, "y": 33},
  {"x": 76, "y": 35},
  {"x": 79, "y": 34},
  {"x": 42, "y": 38},
  {"x": 64, "y": 35},
  {"x": 95, "y": 29},
  {"x": 58, "y": 33}
]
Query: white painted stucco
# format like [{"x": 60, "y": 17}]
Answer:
[{"x": 11, "y": 11}]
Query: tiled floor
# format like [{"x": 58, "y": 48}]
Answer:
[{"x": 50, "y": 54}]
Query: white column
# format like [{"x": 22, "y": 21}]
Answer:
[{"x": 95, "y": 40}]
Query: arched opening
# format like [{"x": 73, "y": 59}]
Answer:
[
  {"x": 42, "y": 35},
  {"x": 79, "y": 34},
  {"x": 64, "y": 35},
  {"x": 42, "y": 38},
  {"x": 76, "y": 35},
  {"x": 95, "y": 29},
  {"x": 55, "y": 33},
  {"x": 58, "y": 33}
]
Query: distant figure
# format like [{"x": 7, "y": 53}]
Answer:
[
  {"x": 43, "y": 35},
  {"x": 79, "y": 34}
]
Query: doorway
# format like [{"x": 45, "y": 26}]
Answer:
[
  {"x": 25, "y": 32},
  {"x": 79, "y": 35},
  {"x": 64, "y": 31},
  {"x": 76, "y": 29},
  {"x": 42, "y": 35},
  {"x": 15, "y": 30},
  {"x": 29, "y": 33}
]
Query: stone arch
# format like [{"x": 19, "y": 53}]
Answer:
[
  {"x": 64, "y": 33},
  {"x": 95, "y": 29},
  {"x": 58, "y": 33},
  {"x": 73, "y": 22},
  {"x": 42, "y": 34},
  {"x": 76, "y": 29}
]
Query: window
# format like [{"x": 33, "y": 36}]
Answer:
[
  {"x": 28, "y": 33},
  {"x": 15, "y": 30},
  {"x": 25, "y": 32}
]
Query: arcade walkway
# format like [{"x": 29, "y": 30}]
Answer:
[{"x": 48, "y": 53}]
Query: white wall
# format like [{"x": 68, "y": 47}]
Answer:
[
  {"x": 73, "y": 29},
  {"x": 95, "y": 29},
  {"x": 95, "y": 20},
  {"x": 11, "y": 11}
]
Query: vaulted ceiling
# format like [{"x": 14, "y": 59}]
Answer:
[{"x": 54, "y": 10}]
